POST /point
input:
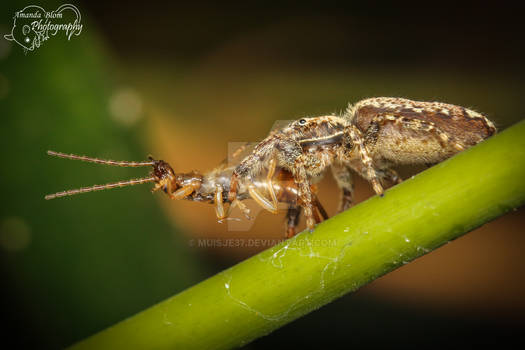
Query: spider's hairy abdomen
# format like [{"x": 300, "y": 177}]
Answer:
[
  {"x": 466, "y": 124},
  {"x": 403, "y": 131}
]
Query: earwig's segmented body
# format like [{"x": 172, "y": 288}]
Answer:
[
  {"x": 369, "y": 139},
  {"x": 211, "y": 187}
]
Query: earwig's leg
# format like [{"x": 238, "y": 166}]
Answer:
[
  {"x": 219, "y": 206},
  {"x": 380, "y": 121},
  {"x": 292, "y": 219},
  {"x": 343, "y": 176},
  {"x": 181, "y": 193},
  {"x": 234, "y": 184},
  {"x": 232, "y": 197},
  {"x": 357, "y": 140},
  {"x": 157, "y": 187},
  {"x": 242, "y": 207}
]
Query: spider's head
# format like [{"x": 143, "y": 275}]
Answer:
[{"x": 303, "y": 123}]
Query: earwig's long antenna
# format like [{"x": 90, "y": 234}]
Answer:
[
  {"x": 102, "y": 187},
  {"x": 100, "y": 161},
  {"x": 106, "y": 186}
]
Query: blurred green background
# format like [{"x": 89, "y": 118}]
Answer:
[{"x": 180, "y": 81}]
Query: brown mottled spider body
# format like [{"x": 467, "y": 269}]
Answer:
[{"x": 371, "y": 137}]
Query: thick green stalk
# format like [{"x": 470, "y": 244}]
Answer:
[{"x": 344, "y": 253}]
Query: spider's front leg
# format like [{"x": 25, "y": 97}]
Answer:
[
  {"x": 285, "y": 153},
  {"x": 305, "y": 192},
  {"x": 271, "y": 206},
  {"x": 262, "y": 158},
  {"x": 290, "y": 155},
  {"x": 357, "y": 141}
]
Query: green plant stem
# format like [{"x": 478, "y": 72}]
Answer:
[{"x": 275, "y": 287}]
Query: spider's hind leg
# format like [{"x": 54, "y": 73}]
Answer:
[
  {"x": 367, "y": 170},
  {"x": 343, "y": 176},
  {"x": 294, "y": 212},
  {"x": 293, "y": 215},
  {"x": 389, "y": 175}
]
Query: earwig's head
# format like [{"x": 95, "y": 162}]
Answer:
[
  {"x": 161, "y": 169},
  {"x": 165, "y": 177}
]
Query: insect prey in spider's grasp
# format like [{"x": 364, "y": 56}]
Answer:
[{"x": 369, "y": 138}]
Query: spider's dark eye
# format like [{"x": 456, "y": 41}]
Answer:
[{"x": 302, "y": 121}]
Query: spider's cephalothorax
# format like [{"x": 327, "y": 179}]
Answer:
[
  {"x": 371, "y": 137},
  {"x": 305, "y": 147}
]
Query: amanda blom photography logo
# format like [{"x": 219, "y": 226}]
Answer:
[{"x": 33, "y": 25}]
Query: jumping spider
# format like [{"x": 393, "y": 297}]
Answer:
[{"x": 369, "y": 138}]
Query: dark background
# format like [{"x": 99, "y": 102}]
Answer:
[{"x": 180, "y": 81}]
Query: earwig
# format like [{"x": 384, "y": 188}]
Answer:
[{"x": 211, "y": 187}]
